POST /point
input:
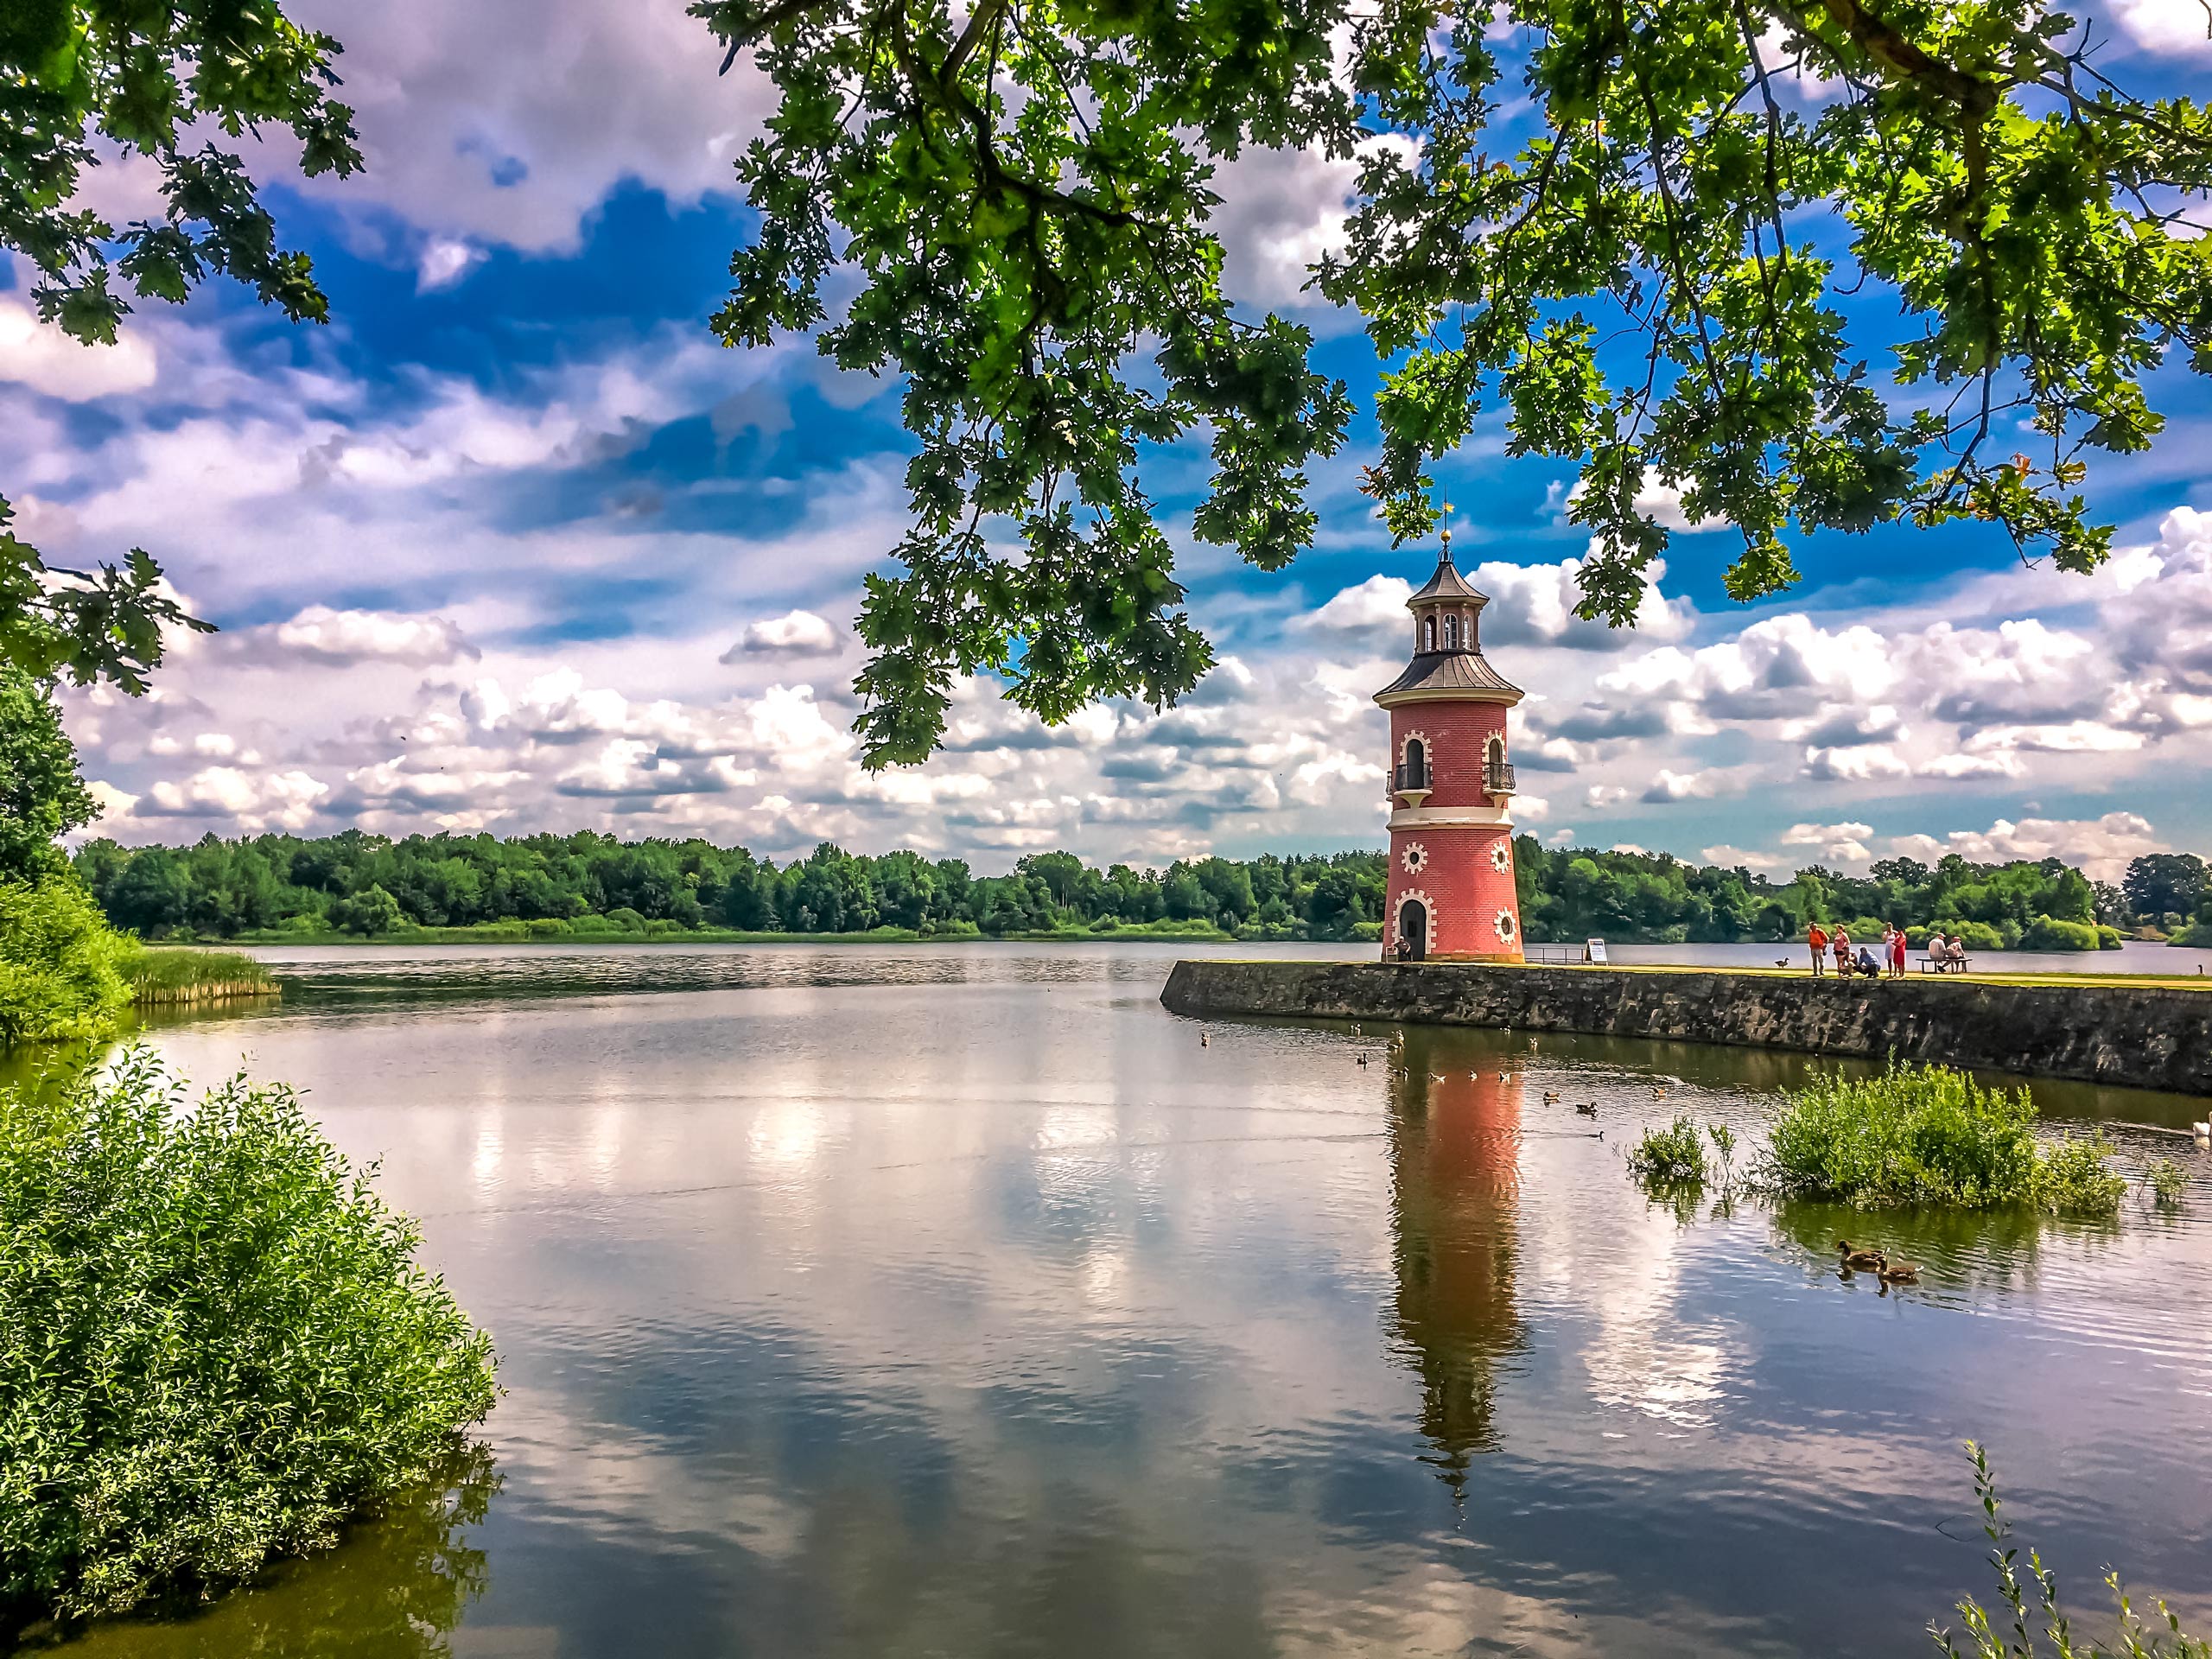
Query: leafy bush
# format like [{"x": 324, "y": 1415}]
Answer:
[
  {"x": 1674, "y": 1156},
  {"x": 2026, "y": 1617},
  {"x": 2169, "y": 1181},
  {"x": 215, "y": 1343},
  {"x": 2109, "y": 938},
  {"x": 2045, "y": 934},
  {"x": 58, "y": 956},
  {"x": 1929, "y": 1135}
]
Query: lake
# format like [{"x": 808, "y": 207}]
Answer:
[{"x": 958, "y": 1301}]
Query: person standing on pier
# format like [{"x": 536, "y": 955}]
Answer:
[{"x": 1819, "y": 940}]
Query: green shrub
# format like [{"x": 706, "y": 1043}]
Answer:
[
  {"x": 624, "y": 920},
  {"x": 1674, "y": 1156},
  {"x": 2109, "y": 938},
  {"x": 58, "y": 955},
  {"x": 215, "y": 1343},
  {"x": 2045, "y": 934},
  {"x": 1929, "y": 1135},
  {"x": 2169, "y": 1181}
]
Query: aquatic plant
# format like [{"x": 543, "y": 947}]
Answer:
[
  {"x": 2042, "y": 1614},
  {"x": 216, "y": 1345},
  {"x": 1674, "y": 1156},
  {"x": 166, "y": 975},
  {"x": 1930, "y": 1134},
  {"x": 2169, "y": 1181}
]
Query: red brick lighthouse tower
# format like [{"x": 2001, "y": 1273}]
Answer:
[{"x": 1452, "y": 890}]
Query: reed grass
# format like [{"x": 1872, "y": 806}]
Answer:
[{"x": 163, "y": 975}]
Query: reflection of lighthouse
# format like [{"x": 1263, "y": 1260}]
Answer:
[
  {"x": 1454, "y": 1148},
  {"x": 1452, "y": 890}
]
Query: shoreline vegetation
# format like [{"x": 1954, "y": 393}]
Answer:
[
  {"x": 172, "y": 975},
  {"x": 273, "y": 889},
  {"x": 222, "y": 1345}
]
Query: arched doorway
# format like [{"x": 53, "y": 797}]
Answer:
[{"x": 1413, "y": 929}]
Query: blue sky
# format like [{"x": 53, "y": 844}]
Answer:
[{"x": 513, "y": 544}]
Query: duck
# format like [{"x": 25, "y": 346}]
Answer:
[
  {"x": 1587, "y": 1109},
  {"x": 1362, "y": 1059},
  {"x": 2202, "y": 1131},
  {"x": 1505, "y": 1077},
  {"x": 1658, "y": 1093},
  {"x": 1897, "y": 1273},
  {"x": 1782, "y": 962},
  {"x": 1862, "y": 1261},
  {"x": 1551, "y": 1096},
  {"x": 1206, "y": 1040}
]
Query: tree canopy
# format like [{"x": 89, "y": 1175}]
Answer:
[
  {"x": 78, "y": 77},
  {"x": 42, "y": 798},
  {"x": 1608, "y": 219}
]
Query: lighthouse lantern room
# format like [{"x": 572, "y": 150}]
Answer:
[{"x": 1452, "y": 890}]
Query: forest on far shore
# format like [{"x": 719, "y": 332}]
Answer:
[{"x": 277, "y": 887}]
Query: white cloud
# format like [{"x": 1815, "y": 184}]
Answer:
[
  {"x": 254, "y": 802},
  {"x": 2164, "y": 26},
  {"x": 795, "y": 633},
  {"x": 1838, "y": 843},
  {"x": 1861, "y": 765},
  {"x": 41, "y": 356},
  {"x": 320, "y": 634},
  {"x": 1728, "y": 857},
  {"x": 443, "y": 262},
  {"x": 1668, "y": 786},
  {"x": 2101, "y": 848}
]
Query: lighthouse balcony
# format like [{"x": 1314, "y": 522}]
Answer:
[
  {"x": 1498, "y": 778},
  {"x": 1411, "y": 781}
]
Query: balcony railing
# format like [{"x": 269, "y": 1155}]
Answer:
[
  {"x": 1411, "y": 778},
  {"x": 1498, "y": 778}
]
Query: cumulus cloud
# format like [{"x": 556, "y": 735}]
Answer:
[
  {"x": 795, "y": 633},
  {"x": 2101, "y": 848},
  {"x": 1838, "y": 843},
  {"x": 1668, "y": 786},
  {"x": 1730, "y": 858},
  {"x": 41, "y": 356},
  {"x": 341, "y": 638},
  {"x": 2165, "y": 25}
]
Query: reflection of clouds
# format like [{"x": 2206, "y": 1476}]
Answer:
[{"x": 1644, "y": 1355}]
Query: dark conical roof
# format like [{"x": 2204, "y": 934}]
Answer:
[{"x": 1448, "y": 584}]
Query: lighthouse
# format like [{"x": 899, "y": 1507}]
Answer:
[{"x": 1452, "y": 892}]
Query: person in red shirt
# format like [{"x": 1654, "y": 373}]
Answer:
[{"x": 1817, "y": 938}]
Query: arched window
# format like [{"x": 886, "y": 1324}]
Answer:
[
  {"x": 1416, "y": 764},
  {"x": 1450, "y": 633},
  {"x": 1428, "y": 634}
]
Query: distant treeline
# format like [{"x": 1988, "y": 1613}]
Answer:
[{"x": 364, "y": 885}]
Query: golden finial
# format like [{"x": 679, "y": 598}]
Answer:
[{"x": 1447, "y": 529}]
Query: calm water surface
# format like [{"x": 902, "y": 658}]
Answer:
[{"x": 959, "y": 1301}]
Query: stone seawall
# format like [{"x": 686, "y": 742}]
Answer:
[{"x": 2134, "y": 1036}]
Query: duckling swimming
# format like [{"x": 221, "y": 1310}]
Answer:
[
  {"x": 1898, "y": 1272},
  {"x": 1206, "y": 1040},
  {"x": 1857, "y": 1261},
  {"x": 1587, "y": 1109},
  {"x": 1551, "y": 1096}
]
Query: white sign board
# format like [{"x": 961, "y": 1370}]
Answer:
[{"x": 1594, "y": 951}]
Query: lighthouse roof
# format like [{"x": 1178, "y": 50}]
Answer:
[
  {"x": 1443, "y": 673},
  {"x": 1448, "y": 584}
]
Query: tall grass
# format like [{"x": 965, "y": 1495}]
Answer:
[
  {"x": 159, "y": 974},
  {"x": 1929, "y": 1135},
  {"x": 2032, "y": 1614},
  {"x": 215, "y": 1343}
]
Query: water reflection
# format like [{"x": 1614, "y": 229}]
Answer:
[
  {"x": 395, "y": 1588},
  {"x": 1455, "y": 1130}
]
